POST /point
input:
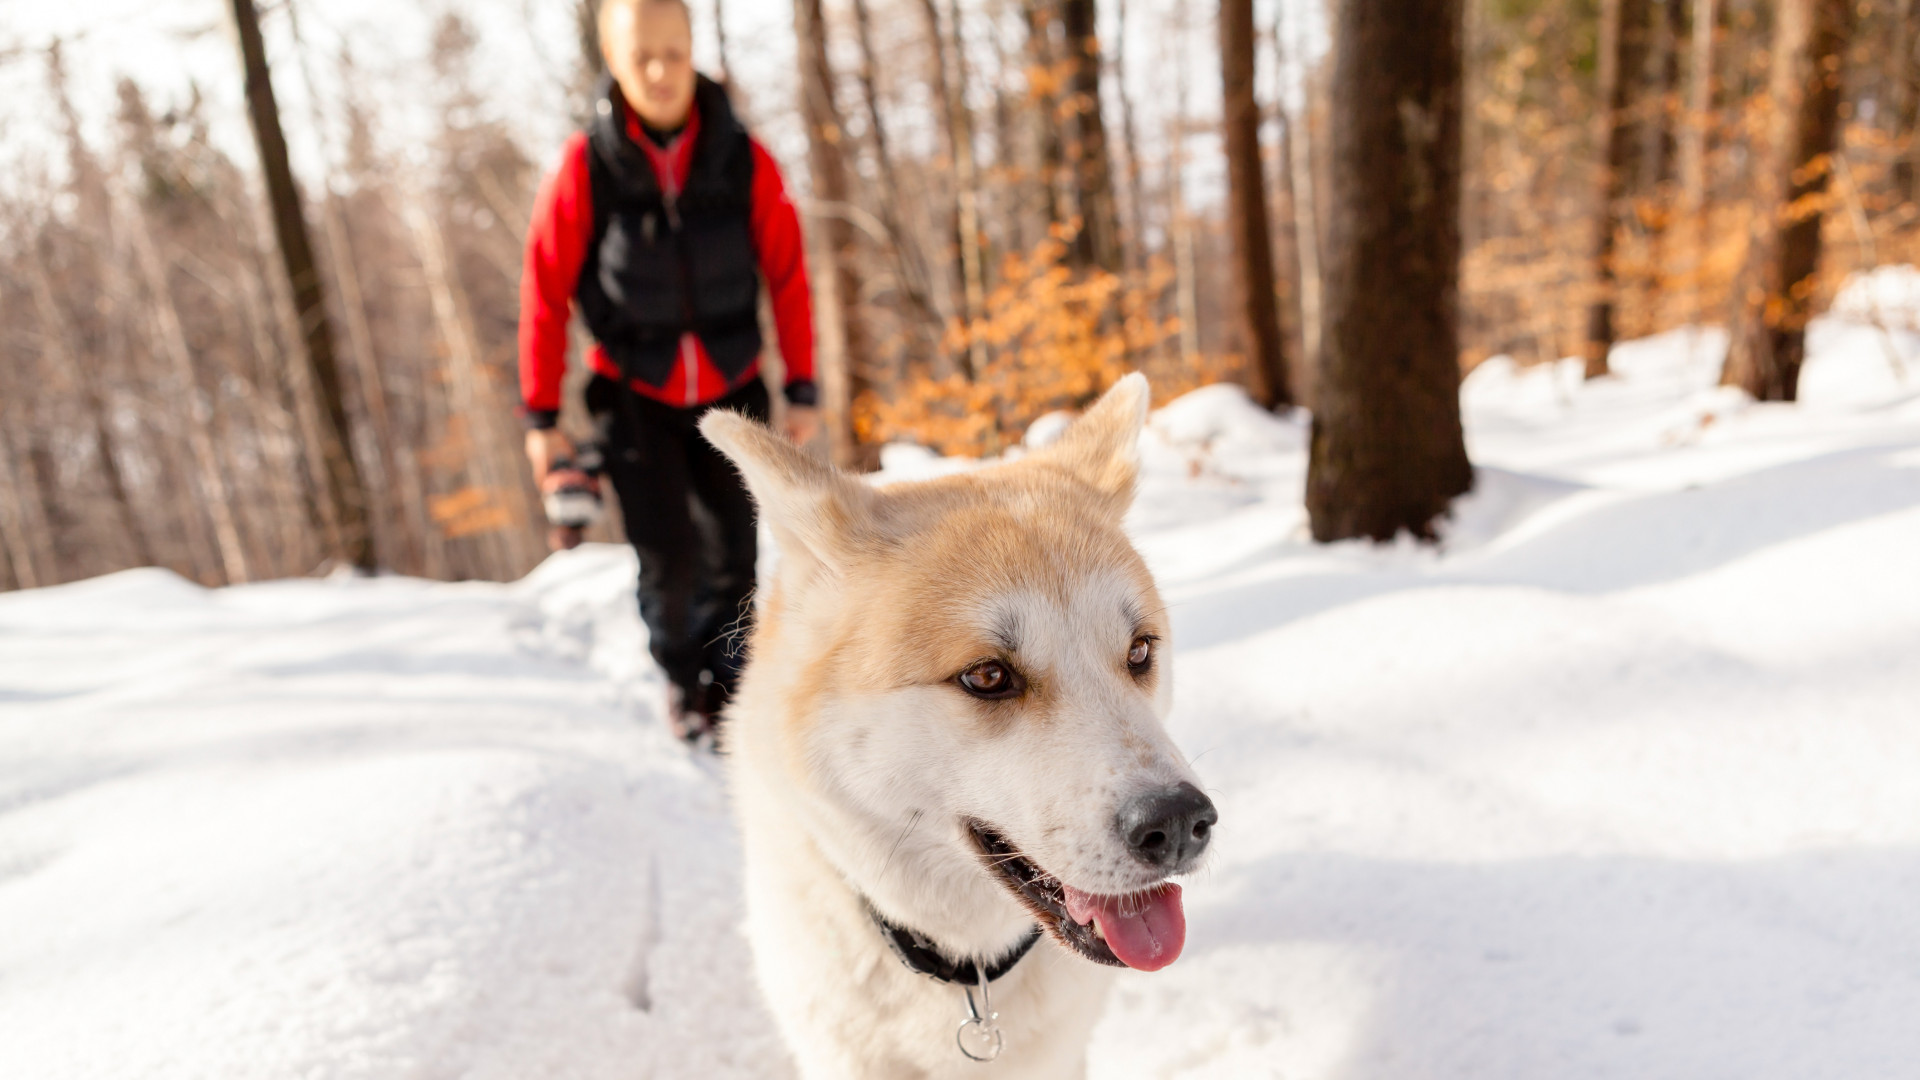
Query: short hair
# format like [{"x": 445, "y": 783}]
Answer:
[{"x": 608, "y": 7}]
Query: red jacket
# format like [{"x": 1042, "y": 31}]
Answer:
[{"x": 557, "y": 240}]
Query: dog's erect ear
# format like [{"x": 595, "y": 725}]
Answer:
[
  {"x": 808, "y": 504},
  {"x": 1102, "y": 447}
]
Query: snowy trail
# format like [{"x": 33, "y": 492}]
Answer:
[
  {"x": 382, "y": 828},
  {"x": 1624, "y": 782}
]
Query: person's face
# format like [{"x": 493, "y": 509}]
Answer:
[{"x": 649, "y": 50}]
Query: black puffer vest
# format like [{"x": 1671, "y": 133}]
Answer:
[{"x": 658, "y": 268}]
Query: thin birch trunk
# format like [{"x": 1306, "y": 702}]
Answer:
[
  {"x": 62, "y": 356},
  {"x": 473, "y": 399},
  {"x": 973, "y": 261},
  {"x": 299, "y": 519},
  {"x": 1286, "y": 235},
  {"x": 1186, "y": 291},
  {"x": 949, "y": 82},
  {"x": 173, "y": 341},
  {"x": 845, "y": 360},
  {"x": 1136, "y": 244},
  {"x": 1306, "y": 217},
  {"x": 198, "y": 556},
  {"x": 15, "y": 528},
  {"x": 912, "y": 273}
]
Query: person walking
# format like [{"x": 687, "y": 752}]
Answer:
[{"x": 659, "y": 226}]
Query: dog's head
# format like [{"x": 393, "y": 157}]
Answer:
[{"x": 976, "y": 667}]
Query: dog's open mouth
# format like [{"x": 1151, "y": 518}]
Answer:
[{"x": 1143, "y": 930}]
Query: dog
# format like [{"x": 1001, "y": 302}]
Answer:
[{"x": 958, "y": 806}]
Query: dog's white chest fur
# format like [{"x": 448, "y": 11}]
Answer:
[{"x": 847, "y": 1006}]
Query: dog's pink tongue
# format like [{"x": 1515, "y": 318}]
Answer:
[{"x": 1145, "y": 932}]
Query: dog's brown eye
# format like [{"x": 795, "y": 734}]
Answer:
[
  {"x": 1141, "y": 654},
  {"x": 990, "y": 679}
]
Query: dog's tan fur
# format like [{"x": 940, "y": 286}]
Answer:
[{"x": 855, "y": 757}]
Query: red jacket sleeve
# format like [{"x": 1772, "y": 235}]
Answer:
[
  {"x": 557, "y": 238},
  {"x": 783, "y": 263}
]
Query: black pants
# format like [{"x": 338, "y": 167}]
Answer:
[{"x": 690, "y": 519}]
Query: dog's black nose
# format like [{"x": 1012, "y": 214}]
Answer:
[{"x": 1169, "y": 828}]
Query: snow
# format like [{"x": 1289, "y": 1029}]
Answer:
[{"x": 1619, "y": 782}]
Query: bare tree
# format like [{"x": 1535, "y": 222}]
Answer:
[
  {"x": 1775, "y": 299},
  {"x": 910, "y": 271},
  {"x": 1045, "y": 103},
  {"x": 1660, "y": 83},
  {"x": 173, "y": 342},
  {"x": 345, "y": 488},
  {"x": 1297, "y": 159},
  {"x": 845, "y": 353},
  {"x": 1387, "y": 451},
  {"x": 1257, "y": 302},
  {"x": 1622, "y": 50},
  {"x": 1130, "y": 146},
  {"x": 379, "y": 428},
  {"x": 720, "y": 40},
  {"x": 1098, "y": 241},
  {"x": 1903, "y": 75},
  {"x": 949, "y": 83},
  {"x": 1693, "y": 145}
]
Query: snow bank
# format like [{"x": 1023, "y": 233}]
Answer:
[{"x": 1618, "y": 782}]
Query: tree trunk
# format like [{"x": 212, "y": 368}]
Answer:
[
  {"x": 173, "y": 342},
  {"x": 1660, "y": 101},
  {"x": 1693, "y": 147},
  {"x": 949, "y": 84},
  {"x": 1180, "y": 224},
  {"x": 1042, "y": 78},
  {"x": 492, "y": 454},
  {"x": 17, "y": 524},
  {"x": 845, "y": 359},
  {"x": 907, "y": 264},
  {"x": 1904, "y": 77},
  {"x": 1136, "y": 244},
  {"x": 1286, "y": 236},
  {"x": 181, "y": 539},
  {"x": 407, "y": 535},
  {"x": 1387, "y": 450},
  {"x": 282, "y": 409},
  {"x": 1097, "y": 244},
  {"x": 1661, "y": 83},
  {"x": 345, "y": 488},
  {"x": 62, "y": 356},
  {"x": 1307, "y": 229},
  {"x": 720, "y": 40},
  {"x": 1259, "y": 314},
  {"x": 1774, "y": 299},
  {"x": 1286, "y": 239},
  {"x": 1622, "y": 55}
]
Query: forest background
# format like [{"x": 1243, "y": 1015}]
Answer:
[{"x": 1009, "y": 204}]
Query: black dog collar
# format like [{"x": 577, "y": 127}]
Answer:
[{"x": 924, "y": 957}]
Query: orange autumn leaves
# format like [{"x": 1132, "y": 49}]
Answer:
[{"x": 1056, "y": 338}]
